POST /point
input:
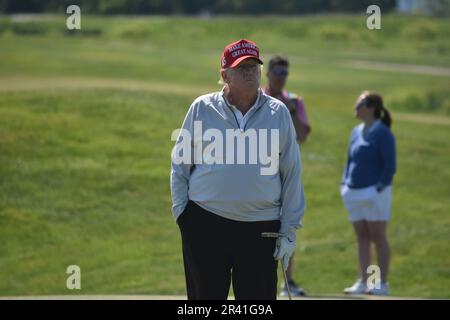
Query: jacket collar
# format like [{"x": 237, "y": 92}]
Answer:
[{"x": 260, "y": 101}]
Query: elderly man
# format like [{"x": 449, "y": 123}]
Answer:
[{"x": 226, "y": 194}]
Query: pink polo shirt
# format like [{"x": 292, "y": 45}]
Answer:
[{"x": 300, "y": 110}]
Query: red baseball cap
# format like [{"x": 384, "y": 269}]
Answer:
[{"x": 238, "y": 51}]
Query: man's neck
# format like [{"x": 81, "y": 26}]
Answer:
[
  {"x": 274, "y": 92},
  {"x": 243, "y": 101}
]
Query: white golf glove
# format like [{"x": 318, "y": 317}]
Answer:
[{"x": 284, "y": 249}]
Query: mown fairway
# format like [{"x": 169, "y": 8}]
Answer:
[{"x": 85, "y": 125}]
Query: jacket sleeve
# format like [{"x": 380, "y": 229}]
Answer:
[
  {"x": 292, "y": 193},
  {"x": 345, "y": 173},
  {"x": 387, "y": 148},
  {"x": 182, "y": 164}
]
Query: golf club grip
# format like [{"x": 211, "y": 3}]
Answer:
[{"x": 271, "y": 235}]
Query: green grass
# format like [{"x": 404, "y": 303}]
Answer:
[{"x": 85, "y": 125}]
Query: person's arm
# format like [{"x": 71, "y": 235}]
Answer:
[
  {"x": 292, "y": 193},
  {"x": 387, "y": 149},
  {"x": 301, "y": 122},
  {"x": 345, "y": 174},
  {"x": 181, "y": 169},
  {"x": 300, "y": 130},
  {"x": 291, "y": 105}
]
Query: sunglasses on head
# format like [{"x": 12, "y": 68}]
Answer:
[{"x": 280, "y": 72}]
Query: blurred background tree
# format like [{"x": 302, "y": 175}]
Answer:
[
  {"x": 194, "y": 6},
  {"x": 429, "y": 7}
]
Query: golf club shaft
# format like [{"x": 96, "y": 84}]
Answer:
[{"x": 286, "y": 282}]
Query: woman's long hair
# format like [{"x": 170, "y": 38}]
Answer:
[{"x": 374, "y": 100}]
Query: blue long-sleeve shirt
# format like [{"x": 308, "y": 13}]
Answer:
[
  {"x": 371, "y": 157},
  {"x": 239, "y": 191}
]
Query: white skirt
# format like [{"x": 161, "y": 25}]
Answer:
[{"x": 367, "y": 203}]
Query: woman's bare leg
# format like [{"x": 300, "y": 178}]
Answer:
[
  {"x": 378, "y": 235},
  {"x": 363, "y": 238}
]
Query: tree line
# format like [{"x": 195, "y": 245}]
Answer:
[{"x": 194, "y": 7}]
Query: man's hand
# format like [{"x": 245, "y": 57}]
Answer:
[{"x": 284, "y": 249}]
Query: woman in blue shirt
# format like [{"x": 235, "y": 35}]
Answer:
[{"x": 366, "y": 188}]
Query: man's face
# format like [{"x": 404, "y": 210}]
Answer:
[
  {"x": 246, "y": 75},
  {"x": 277, "y": 77}
]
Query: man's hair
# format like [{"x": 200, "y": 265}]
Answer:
[
  {"x": 221, "y": 80},
  {"x": 278, "y": 61}
]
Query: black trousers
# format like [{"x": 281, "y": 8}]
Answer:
[{"x": 218, "y": 251}]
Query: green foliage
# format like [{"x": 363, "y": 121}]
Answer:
[
  {"x": 427, "y": 101},
  {"x": 424, "y": 30}
]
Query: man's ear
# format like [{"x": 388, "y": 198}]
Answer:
[{"x": 224, "y": 75}]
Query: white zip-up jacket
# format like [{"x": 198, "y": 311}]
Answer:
[{"x": 222, "y": 176}]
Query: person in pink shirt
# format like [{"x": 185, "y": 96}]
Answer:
[{"x": 277, "y": 76}]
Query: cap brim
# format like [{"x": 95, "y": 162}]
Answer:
[{"x": 240, "y": 59}]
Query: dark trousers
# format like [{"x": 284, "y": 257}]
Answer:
[{"x": 218, "y": 251}]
